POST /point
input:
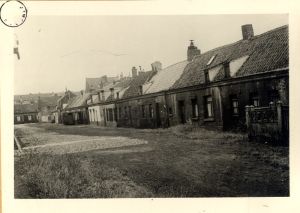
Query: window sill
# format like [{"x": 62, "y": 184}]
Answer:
[{"x": 209, "y": 119}]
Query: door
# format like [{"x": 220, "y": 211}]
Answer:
[
  {"x": 181, "y": 112},
  {"x": 158, "y": 121}
]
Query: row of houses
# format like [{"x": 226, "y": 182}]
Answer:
[
  {"x": 32, "y": 111},
  {"x": 210, "y": 89}
]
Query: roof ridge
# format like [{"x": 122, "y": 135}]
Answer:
[
  {"x": 239, "y": 41},
  {"x": 174, "y": 64}
]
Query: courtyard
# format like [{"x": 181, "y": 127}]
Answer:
[{"x": 87, "y": 161}]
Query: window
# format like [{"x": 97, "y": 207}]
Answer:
[
  {"x": 18, "y": 118},
  {"x": 29, "y": 117},
  {"x": 208, "y": 107},
  {"x": 102, "y": 96},
  {"x": 273, "y": 96},
  {"x": 141, "y": 89},
  {"x": 211, "y": 60},
  {"x": 255, "y": 102},
  {"x": 194, "y": 108},
  {"x": 235, "y": 105},
  {"x": 143, "y": 111},
  {"x": 206, "y": 75},
  {"x": 254, "y": 99},
  {"x": 151, "y": 111}
]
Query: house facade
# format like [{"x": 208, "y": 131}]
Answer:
[
  {"x": 210, "y": 89},
  {"x": 76, "y": 110},
  {"x": 25, "y": 113}
]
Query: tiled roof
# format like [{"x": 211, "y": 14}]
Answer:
[
  {"x": 25, "y": 108},
  {"x": 119, "y": 87},
  {"x": 94, "y": 83},
  {"x": 142, "y": 78},
  {"x": 165, "y": 78},
  {"x": 78, "y": 101},
  {"x": 267, "y": 52},
  {"x": 50, "y": 101}
]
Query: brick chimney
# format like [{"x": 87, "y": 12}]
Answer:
[
  {"x": 134, "y": 72},
  {"x": 156, "y": 66},
  {"x": 192, "y": 51},
  {"x": 247, "y": 31}
]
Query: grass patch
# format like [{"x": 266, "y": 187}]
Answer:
[
  {"x": 196, "y": 132},
  {"x": 70, "y": 176}
]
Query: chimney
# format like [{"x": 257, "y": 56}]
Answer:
[
  {"x": 192, "y": 51},
  {"x": 247, "y": 31},
  {"x": 134, "y": 72},
  {"x": 156, "y": 66}
]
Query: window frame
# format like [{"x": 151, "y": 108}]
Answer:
[
  {"x": 208, "y": 101},
  {"x": 195, "y": 108},
  {"x": 151, "y": 111}
]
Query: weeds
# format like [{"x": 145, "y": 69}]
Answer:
[{"x": 68, "y": 176}]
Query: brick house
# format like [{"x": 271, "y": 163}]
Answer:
[
  {"x": 213, "y": 88},
  {"x": 46, "y": 107},
  {"x": 76, "y": 110},
  {"x": 209, "y": 89}
]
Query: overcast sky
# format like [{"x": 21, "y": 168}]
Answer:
[{"x": 61, "y": 51}]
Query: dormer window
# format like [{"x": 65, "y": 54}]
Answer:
[
  {"x": 206, "y": 75},
  {"x": 102, "y": 95},
  {"x": 141, "y": 89},
  {"x": 211, "y": 60},
  {"x": 226, "y": 69},
  {"x": 112, "y": 93}
]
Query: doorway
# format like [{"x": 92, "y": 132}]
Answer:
[{"x": 181, "y": 112}]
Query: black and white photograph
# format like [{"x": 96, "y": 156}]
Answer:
[
  {"x": 152, "y": 106},
  {"x": 164, "y": 107}
]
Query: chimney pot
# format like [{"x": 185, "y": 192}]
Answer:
[
  {"x": 192, "y": 51},
  {"x": 247, "y": 31},
  {"x": 134, "y": 72}
]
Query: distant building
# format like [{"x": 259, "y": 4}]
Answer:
[
  {"x": 25, "y": 113},
  {"x": 46, "y": 107},
  {"x": 92, "y": 84}
]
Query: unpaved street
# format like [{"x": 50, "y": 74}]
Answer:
[{"x": 88, "y": 161}]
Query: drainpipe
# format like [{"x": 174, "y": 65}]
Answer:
[{"x": 167, "y": 108}]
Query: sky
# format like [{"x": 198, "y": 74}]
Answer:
[{"x": 59, "y": 52}]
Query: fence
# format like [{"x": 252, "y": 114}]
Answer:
[{"x": 268, "y": 124}]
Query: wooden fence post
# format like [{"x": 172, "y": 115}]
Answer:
[
  {"x": 279, "y": 116},
  {"x": 247, "y": 116}
]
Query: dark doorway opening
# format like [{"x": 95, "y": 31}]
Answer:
[
  {"x": 181, "y": 112},
  {"x": 158, "y": 121}
]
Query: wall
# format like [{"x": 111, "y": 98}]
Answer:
[
  {"x": 168, "y": 110},
  {"x": 96, "y": 116},
  {"x": 24, "y": 118},
  {"x": 264, "y": 89}
]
